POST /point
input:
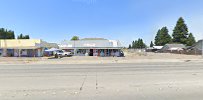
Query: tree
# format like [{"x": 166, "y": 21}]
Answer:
[
  {"x": 138, "y": 44},
  {"x": 75, "y": 38},
  {"x": 141, "y": 44},
  {"x": 6, "y": 34},
  {"x": 162, "y": 37},
  {"x": 133, "y": 44},
  {"x": 158, "y": 38},
  {"x": 180, "y": 32},
  {"x": 151, "y": 44},
  {"x": 27, "y": 37},
  {"x": 21, "y": 36},
  {"x": 191, "y": 40},
  {"x": 10, "y": 35},
  {"x": 130, "y": 46},
  {"x": 2, "y": 33}
]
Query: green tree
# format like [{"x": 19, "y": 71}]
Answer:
[
  {"x": 162, "y": 37},
  {"x": 191, "y": 40},
  {"x": 138, "y": 44},
  {"x": 158, "y": 38},
  {"x": 75, "y": 38},
  {"x": 130, "y": 46},
  {"x": 21, "y": 36},
  {"x": 133, "y": 44},
  {"x": 5, "y": 34},
  {"x": 10, "y": 35},
  {"x": 151, "y": 44},
  {"x": 27, "y": 37},
  {"x": 180, "y": 32}
]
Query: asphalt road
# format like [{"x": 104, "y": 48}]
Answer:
[{"x": 144, "y": 81}]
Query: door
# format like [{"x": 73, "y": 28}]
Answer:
[{"x": 91, "y": 52}]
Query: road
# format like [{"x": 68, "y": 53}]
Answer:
[{"x": 140, "y": 81}]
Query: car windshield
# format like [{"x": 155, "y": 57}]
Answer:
[{"x": 60, "y": 51}]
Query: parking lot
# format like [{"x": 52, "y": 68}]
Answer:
[{"x": 132, "y": 81}]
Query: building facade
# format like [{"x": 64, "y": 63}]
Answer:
[
  {"x": 196, "y": 49},
  {"x": 173, "y": 48},
  {"x": 23, "y": 47},
  {"x": 92, "y": 47}
]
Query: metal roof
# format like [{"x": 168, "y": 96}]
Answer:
[
  {"x": 175, "y": 45},
  {"x": 91, "y": 43},
  {"x": 172, "y": 46}
]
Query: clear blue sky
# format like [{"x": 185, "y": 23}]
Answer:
[{"x": 124, "y": 20}]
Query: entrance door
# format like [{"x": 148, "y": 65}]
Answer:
[{"x": 91, "y": 52}]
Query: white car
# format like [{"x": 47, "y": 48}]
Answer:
[{"x": 63, "y": 53}]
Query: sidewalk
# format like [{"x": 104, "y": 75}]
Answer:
[{"x": 98, "y": 60}]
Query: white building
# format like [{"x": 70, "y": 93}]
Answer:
[{"x": 92, "y": 47}]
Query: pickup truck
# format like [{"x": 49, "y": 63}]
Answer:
[{"x": 62, "y": 53}]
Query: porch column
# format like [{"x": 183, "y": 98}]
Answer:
[
  {"x": 33, "y": 52},
  {"x": 98, "y": 52},
  {"x": 75, "y": 51},
  {"x": 38, "y": 52},
  {"x": 19, "y": 50}
]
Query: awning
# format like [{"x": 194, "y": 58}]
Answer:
[{"x": 92, "y": 48}]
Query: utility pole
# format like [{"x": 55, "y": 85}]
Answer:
[
  {"x": 74, "y": 47},
  {"x": 202, "y": 48}
]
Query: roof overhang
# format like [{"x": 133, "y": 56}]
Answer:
[
  {"x": 91, "y": 48},
  {"x": 21, "y": 48}
]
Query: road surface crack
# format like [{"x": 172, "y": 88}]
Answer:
[{"x": 83, "y": 83}]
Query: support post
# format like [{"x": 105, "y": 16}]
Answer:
[{"x": 202, "y": 48}]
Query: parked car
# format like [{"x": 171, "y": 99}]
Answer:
[
  {"x": 119, "y": 54},
  {"x": 62, "y": 53},
  {"x": 122, "y": 54}
]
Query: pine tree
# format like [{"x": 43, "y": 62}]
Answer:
[
  {"x": 151, "y": 44},
  {"x": 130, "y": 46},
  {"x": 158, "y": 38},
  {"x": 162, "y": 37},
  {"x": 180, "y": 32},
  {"x": 6, "y": 34},
  {"x": 27, "y": 37},
  {"x": 191, "y": 40},
  {"x": 138, "y": 44},
  {"x": 133, "y": 44},
  {"x": 21, "y": 36}
]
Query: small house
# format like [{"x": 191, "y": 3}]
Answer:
[{"x": 173, "y": 48}]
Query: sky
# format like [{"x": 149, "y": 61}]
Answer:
[{"x": 124, "y": 20}]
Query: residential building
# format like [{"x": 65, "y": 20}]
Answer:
[
  {"x": 154, "y": 49},
  {"x": 196, "y": 49},
  {"x": 93, "y": 47},
  {"x": 173, "y": 48},
  {"x": 23, "y": 47}
]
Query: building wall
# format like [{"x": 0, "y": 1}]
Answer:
[
  {"x": 15, "y": 43},
  {"x": 199, "y": 45},
  {"x": 98, "y": 52},
  {"x": 22, "y": 47}
]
